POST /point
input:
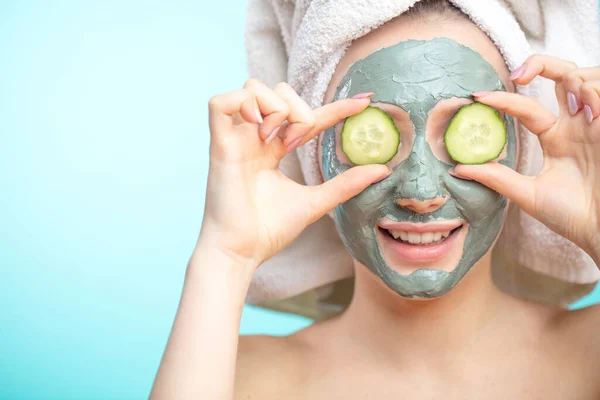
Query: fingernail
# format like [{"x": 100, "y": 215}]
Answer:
[
  {"x": 293, "y": 144},
  {"x": 272, "y": 136},
  {"x": 456, "y": 175},
  {"x": 517, "y": 73},
  {"x": 480, "y": 94},
  {"x": 385, "y": 176},
  {"x": 572, "y": 103},
  {"x": 587, "y": 110},
  {"x": 363, "y": 95},
  {"x": 258, "y": 116}
]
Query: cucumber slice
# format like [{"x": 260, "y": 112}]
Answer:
[
  {"x": 475, "y": 135},
  {"x": 370, "y": 137}
]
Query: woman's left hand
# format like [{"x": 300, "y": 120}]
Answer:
[{"x": 565, "y": 196}]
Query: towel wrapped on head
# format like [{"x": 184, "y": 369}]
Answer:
[{"x": 302, "y": 41}]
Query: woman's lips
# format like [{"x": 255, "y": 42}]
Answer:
[{"x": 418, "y": 253}]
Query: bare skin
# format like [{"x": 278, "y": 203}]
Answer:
[
  {"x": 475, "y": 342},
  {"x": 455, "y": 348}
]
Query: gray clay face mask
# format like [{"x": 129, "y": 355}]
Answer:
[{"x": 415, "y": 76}]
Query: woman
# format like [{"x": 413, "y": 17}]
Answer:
[{"x": 472, "y": 339}]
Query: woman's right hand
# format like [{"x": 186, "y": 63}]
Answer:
[{"x": 252, "y": 209}]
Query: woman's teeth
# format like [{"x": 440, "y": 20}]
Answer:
[{"x": 420, "y": 238}]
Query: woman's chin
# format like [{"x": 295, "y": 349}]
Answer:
[{"x": 406, "y": 258}]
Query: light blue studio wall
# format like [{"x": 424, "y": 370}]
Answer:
[
  {"x": 104, "y": 144},
  {"x": 103, "y": 139}
]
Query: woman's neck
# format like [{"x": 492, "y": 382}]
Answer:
[{"x": 381, "y": 321}]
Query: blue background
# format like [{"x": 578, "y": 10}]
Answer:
[{"x": 104, "y": 144}]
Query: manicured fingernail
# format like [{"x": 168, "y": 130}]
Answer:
[
  {"x": 453, "y": 173},
  {"x": 272, "y": 136},
  {"x": 363, "y": 95},
  {"x": 258, "y": 116},
  {"x": 572, "y": 103},
  {"x": 293, "y": 144},
  {"x": 587, "y": 110},
  {"x": 480, "y": 94},
  {"x": 517, "y": 73},
  {"x": 385, "y": 176}
]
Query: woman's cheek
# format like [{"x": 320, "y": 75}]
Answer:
[{"x": 474, "y": 200}]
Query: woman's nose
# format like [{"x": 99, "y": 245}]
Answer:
[{"x": 422, "y": 206}]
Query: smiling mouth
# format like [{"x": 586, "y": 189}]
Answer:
[{"x": 406, "y": 244}]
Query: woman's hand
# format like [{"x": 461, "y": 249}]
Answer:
[
  {"x": 252, "y": 209},
  {"x": 565, "y": 196},
  {"x": 252, "y": 212}
]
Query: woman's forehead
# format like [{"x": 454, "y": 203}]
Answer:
[
  {"x": 420, "y": 73},
  {"x": 400, "y": 30}
]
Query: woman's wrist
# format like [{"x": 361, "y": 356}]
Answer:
[{"x": 214, "y": 265}]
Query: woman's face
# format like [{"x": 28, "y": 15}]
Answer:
[{"x": 420, "y": 84}]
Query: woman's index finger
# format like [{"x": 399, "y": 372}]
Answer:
[
  {"x": 332, "y": 113},
  {"x": 549, "y": 67}
]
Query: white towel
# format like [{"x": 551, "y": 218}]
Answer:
[{"x": 301, "y": 42}]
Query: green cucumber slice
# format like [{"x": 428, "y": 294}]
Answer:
[
  {"x": 370, "y": 137},
  {"x": 475, "y": 135}
]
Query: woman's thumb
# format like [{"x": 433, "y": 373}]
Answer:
[
  {"x": 343, "y": 187},
  {"x": 502, "y": 179}
]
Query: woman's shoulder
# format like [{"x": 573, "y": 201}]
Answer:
[
  {"x": 583, "y": 327},
  {"x": 271, "y": 366},
  {"x": 576, "y": 334}
]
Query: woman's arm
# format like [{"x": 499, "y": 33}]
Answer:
[
  {"x": 252, "y": 212},
  {"x": 199, "y": 361}
]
